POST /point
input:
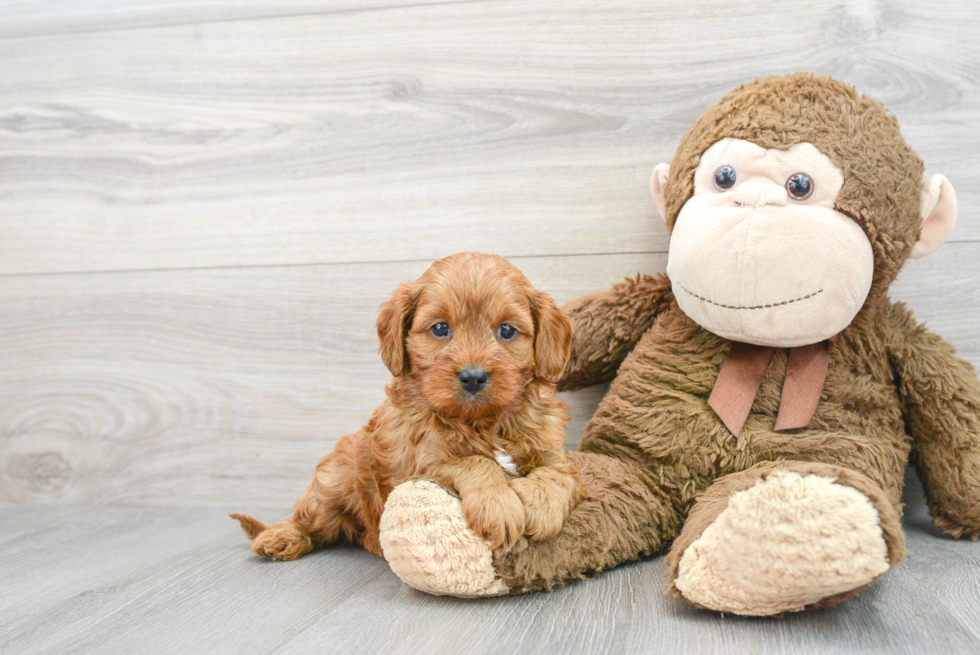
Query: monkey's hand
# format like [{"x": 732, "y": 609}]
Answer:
[
  {"x": 941, "y": 394},
  {"x": 606, "y": 326}
]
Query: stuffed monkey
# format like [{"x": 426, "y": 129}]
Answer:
[{"x": 766, "y": 393}]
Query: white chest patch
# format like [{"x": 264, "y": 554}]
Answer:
[{"x": 506, "y": 462}]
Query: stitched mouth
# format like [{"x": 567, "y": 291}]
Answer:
[{"x": 766, "y": 306}]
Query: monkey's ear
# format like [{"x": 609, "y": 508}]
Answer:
[
  {"x": 552, "y": 337},
  {"x": 658, "y": 187},
  {"x": 394, "y": 320},
  {"x": 938, "y": 211}
]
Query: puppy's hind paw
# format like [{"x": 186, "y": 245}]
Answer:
[{"x": 284, "y": 541}]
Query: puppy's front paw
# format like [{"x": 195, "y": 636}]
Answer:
[
  {"x": 548, "y": 498},
  {"x": 283, "y": 541},
  {"x": 496, "y": 514},
  {"x": 544, "y": 516}
]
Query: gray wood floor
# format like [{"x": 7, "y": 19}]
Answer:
[
  {"x": 203, "y": 202},
  {"x": 179, "y": 580}
]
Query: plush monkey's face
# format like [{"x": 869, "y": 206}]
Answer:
[
  {"x": 791, "y": 202},
  {"x": 759, "y": 254}
]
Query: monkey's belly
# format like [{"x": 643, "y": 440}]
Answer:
[{"x": 657, "y": 413}]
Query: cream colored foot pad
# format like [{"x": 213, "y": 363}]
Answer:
[
  {"x": 429, "y": 546},
  {"x": 785, "y": 543}
]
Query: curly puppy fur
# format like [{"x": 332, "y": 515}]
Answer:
[{"x": 430, "y": 426}]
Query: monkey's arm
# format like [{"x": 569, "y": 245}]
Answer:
[
  {"x": 941, "y": 394},
  {"x": 607, "y": 325}
]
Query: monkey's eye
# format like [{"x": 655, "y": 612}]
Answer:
[
  {"x": 800, "y": 186},
  {"x": 440, "y": 330},
  {"x": 506, "y": 331},
  {"x": 725, "y": 178}
]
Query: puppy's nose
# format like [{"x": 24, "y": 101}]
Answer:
[{"x": 473, "y": 378}]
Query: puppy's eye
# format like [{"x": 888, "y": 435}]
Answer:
[
  {"x": 725, "y": 178},
  {"x": 800, "y": 186},
  {"x": 506, "y": 331},
  {"x": 440, "y": 330}
]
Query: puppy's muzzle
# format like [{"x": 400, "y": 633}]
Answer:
[{"x": 473, "y": 378}]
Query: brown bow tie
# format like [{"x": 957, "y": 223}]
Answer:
[{"x": 742, "y": 373}]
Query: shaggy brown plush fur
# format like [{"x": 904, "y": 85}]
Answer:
[
  {"x": 431, "y": 426},
  {"x": 654, "y": 445}
]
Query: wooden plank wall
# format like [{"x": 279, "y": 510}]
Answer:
[{"x": 203, "y": 203}]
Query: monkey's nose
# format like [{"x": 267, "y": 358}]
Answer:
[
  {"x": 473, "y": 378},
  {"x": 759, "y": 194}
]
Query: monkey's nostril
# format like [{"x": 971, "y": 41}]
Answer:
[
  {"x": 759, "y": 194},
  {"x": 473, "y": 378}
]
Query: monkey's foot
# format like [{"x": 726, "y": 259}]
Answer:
[
  {"x": 429, "y": 546},
  {"x": 784, "y": 541}
]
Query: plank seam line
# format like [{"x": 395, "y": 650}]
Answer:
[
  {"x": 357, "y": 262},
  {"x": 166, "y": 269}
]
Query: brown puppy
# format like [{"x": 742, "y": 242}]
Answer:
[{"x": 475, "y": 352}]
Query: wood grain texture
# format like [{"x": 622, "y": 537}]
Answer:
[
  {"x": 213, "y": 387},
  {"x": 204, "y": 387},
  {"x": 158, "y": 580},
  {"x": 21, "y": 19},
  {"x": 406, "y": 133}
]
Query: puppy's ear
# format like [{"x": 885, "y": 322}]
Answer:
[
  {"x": 394, "y": 320},
  {"x": 552, "y": 338}
]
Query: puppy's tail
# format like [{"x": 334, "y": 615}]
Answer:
[{"x": 252, "y": 527}]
